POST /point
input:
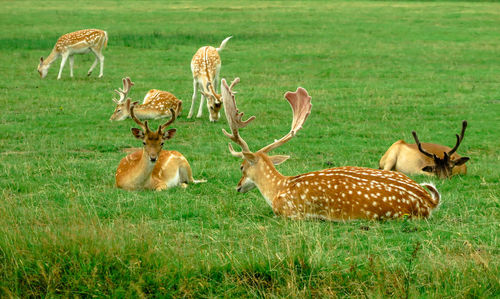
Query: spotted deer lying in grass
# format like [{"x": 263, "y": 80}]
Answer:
[
  {"x": 425, "y": 158},
  {"x": 152, "y": 167},
  {"x": 156, "y": 104},
  {"x": 205, "y": 66},
  {"x": 78, "y": 42},
  {"x": 335, "y": 194}
]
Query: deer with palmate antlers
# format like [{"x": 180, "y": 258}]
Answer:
[
  {"x": 335, "y": 194},
  {"x": 78, "y": 42},
  {"x": 156, "y": 104},
  {"x": 425, "y": 158},
  {"x": 152, "y": 167},
  {"x": 205, "y": 66}
]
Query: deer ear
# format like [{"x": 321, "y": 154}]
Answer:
[
  {"x": 250, "y": 157},
  {"x": 461, "y": 161},
  {"x": 41, "y": 59},
  {"x": 169, "y": 134},
  {"x": 138, "y": 133},
  {"x": 429, "y": 168},
  {"x": 278, "y": 159}
]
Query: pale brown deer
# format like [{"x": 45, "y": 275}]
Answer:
[
  {"x": 156, "y": 104},
  {"x": 205, "y": 66},
  {"x": 78, "y": 42},
  {"x": 152, "y": 167},
  {"x": 336, "y": 194},
  {"x": 425, "y": 158}
]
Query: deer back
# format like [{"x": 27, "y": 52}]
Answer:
[{"x": 345, "y": 193}]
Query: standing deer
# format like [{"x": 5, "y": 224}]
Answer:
[
  {"x": 335, "y": 194},
  {"x": 205, "y": 66},
  {"x": 425, "y": 158},
  {"x": 152, "y": 167},
  {"x": 78, "y": 42},
  {"x": 156, "y": 104}
]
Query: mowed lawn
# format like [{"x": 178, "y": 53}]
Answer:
[{"x": 375, "y": 71}]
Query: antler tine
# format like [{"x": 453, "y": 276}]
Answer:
[
  {"x": 420, "y": 145},
  {"x": 300, "y": 101},
  {"x": 144, "y": 125},
  {"x": 127, "y": 84},
  {"x": 459, "y": 138},
  {"x": 234, "y": 117},
  {"x": 170, "y": 121}
]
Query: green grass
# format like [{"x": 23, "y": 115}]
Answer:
[{"x": 375, "y": 71}]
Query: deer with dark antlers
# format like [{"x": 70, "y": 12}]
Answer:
[
  {"x": 425, "y": 158},
  {"x": 152, "y": 167},
  {"x": 336, "y": 194}
]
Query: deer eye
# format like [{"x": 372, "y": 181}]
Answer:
[
  {"x": 118, "y": 110},
  {"x": 144, "y": 142},
  {"x": 162, "y": 143},
  {"x": 241, "y": 167}
]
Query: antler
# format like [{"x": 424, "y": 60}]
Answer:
[
  {"x": 144, "y": 125},
  {"x": 420, "y": 146},
  {"x": 459, "y": 138},
  {"x": 300, "y": 101},
  {"x": 171, "y": 120},
  {"x": 127, "y": 84},
  {"x": 233, "y": 117}
]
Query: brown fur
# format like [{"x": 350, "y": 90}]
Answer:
[{"x": 406, "y": 158}]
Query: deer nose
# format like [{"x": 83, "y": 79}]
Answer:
[
  {"x": 238, "y": 189},
  {"x": 153, "y": 159}
]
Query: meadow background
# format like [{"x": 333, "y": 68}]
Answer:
[{"x": 375, "y": 71}]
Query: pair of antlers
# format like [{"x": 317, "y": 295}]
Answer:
[
  {"x": 300, "y": 101},
  {"x": 454, "y": 149},
  {"x": 144, "y": 125},
  {"x": 123, "y": 92}
]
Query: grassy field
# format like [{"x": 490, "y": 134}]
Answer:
[{"x": 375, "y": 71}]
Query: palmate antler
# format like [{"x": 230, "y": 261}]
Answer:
[
  {"x": 127, "y": 84},
  {"x": 233, "y": 117},
  {"x": 300, "y": 101}
]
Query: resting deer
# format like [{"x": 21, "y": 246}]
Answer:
[
  {"x": 78, "y": 42},
  {"x": 152, "y": 167},
  {"x": 205, "y": 66},
  {"x": 335, "y": 194},
  {"x": 156, "y": 104},
  {"x": 425, "y": 158}
]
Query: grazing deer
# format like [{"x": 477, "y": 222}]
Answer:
[
  {"x": 152, "y": 167},
  {"x": 335, "y": 194},
  {"x": 205, "y": 66},
  {"x": 425, "y": 158},
  {"x": 78, "y": 42},
  {"x": 156, "y": 104}
]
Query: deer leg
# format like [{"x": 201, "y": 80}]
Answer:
[
  {"x": 93, "y": 65},
  {"x": 200, "y": 109},
  {"x": 71, "y": 63},
  {"x": 195, "y": 90},
  {"x": 63, "y": 62},
  {"x": 101, "y": 60}
]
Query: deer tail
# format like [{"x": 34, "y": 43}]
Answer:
[{"x": 223, "y": 44}]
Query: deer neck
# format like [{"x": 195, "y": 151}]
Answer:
[
  {"x": 52, "y": 57},
  {"x": 269, "y": 180},
  {"x": 141, "y": 172}
]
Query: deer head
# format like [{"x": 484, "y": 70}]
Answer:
[
  {"x": 443, "y": 167},
  {"x": 257, "y": 163},
  {"x": 43, "y": 69},
  {"x": 122, "y": 110},
  {"x": 214, "y": 102},
  {"x": 153, "y": 141}
]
